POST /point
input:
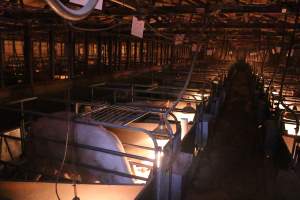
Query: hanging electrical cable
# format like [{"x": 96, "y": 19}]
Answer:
[
  {"x": 157, "y": 32},
  {"x": 94, "y": 29},
  {"x": 183, "y": 90},
  {"x": 68, "y": 116},
  {"x": 193, "y": 63},
  {"x": 71, "y": 14},
  {"x": 187, "y": 82},
  {"x": 74, "y": 27}
]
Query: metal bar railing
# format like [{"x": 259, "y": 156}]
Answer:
[
  {"x": 152, "y": 134},
  {"x": 292, "y": 112},
  {"x": 92, "y": 148},
  {"x": 97, "y": 149}
]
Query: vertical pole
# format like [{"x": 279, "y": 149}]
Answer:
[
  {"x": 175, "y": 54},
  {"x": 147, "y": 53},
  {"x": 2, "y": 62},
  {"x": 110, "y": 54},
  {"x": 86, "y": 53},
  {"x": 161, "y": 53},
  {"x": 105, "y": 54},
  {"x": 172, "y": 59},
  {"x": 52, "y": 54},
  {"x": 164, "y": 47},
  {"x": 157, "y": 53},
  {"x": 40, "y": 49},
  {"x": 112, "y": 51},
  {"x": 99, "y": 54},
  {"x": 152, "y": 52},
  {"x": 22, "y": 128},
  {"x": 167, "y": 54},
  {"x": 135, "y": 53},
  {"x": 142, "y": 52},
  {"x": 70, "y": 51},
  {"x": 116, "y": 51},
  {"x": 182, "y": 54},
  {"x": 28, "y": 59},
  {"x": 128, "y": 45},
  {"x": 120, "y": 54}
]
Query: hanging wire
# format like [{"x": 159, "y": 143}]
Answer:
[
  {"x": 187, "y": 82},
  {"x": 157, "y": 32},
  {"x": 74, "y": 27},
  {"x": 66, "y": 147},
  {"x": 94, "y": 29}
]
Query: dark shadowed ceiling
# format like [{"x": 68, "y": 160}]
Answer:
[{"x": 247, "y": 23}]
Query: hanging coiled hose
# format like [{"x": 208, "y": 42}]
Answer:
[{"x": 71, "y": 14}]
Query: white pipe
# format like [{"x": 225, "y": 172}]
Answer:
[{"x": 71, "y": 14}]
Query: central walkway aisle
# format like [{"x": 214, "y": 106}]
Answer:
[{"x": 234, "y": 167}]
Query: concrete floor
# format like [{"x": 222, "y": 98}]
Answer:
[{"x": 234, "y": 167}]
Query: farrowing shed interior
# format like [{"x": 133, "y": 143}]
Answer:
[{"x": 165, "y": 99}]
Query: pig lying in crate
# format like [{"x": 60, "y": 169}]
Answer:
[{"x": 97, "y": 136}]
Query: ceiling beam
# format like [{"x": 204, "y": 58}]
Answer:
[{"x": 228, "y": 25}]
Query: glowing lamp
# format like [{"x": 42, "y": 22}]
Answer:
[
  {"x": 290, "y": 128},
  {"x": 278, "y": 49},
  {"x": 188, "y": 116},
  {"x": 291, "y": 53},
  {"x": 197, "y": 97},
  {"x": 161, "y": 143},
  {"x": 283, "y": 10},
  {"x": 273, "y": 51}
]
